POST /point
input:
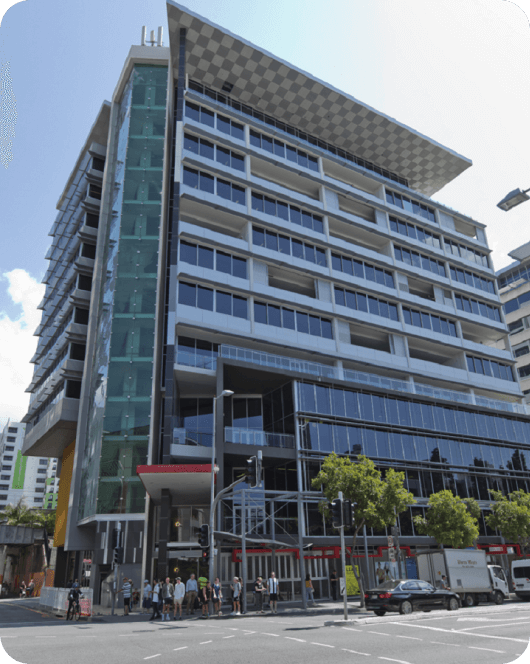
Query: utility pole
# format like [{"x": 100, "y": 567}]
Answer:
[
  {"x": 244, "y": 551},
  {"x": 343, "y": 556},
  {"x": 116, "y": 552}
]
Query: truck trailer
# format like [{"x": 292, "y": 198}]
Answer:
[{"x": 468, "y": 574}]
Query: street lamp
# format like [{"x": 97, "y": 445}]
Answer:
[
  {"x": 514, "y": 198},
  {"x": 224, "y": 393}
]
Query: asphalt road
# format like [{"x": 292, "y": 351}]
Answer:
[{"x": 485, "y": 635}]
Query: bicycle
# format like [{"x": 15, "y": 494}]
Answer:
[{"x": 76, "y": 610}]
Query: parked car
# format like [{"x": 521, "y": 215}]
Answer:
[{"x": 409, "y": 596}]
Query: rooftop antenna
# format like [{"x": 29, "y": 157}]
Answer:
[
  {"x": 160, "y": 33},
  {"x": 144, "y": 32}
]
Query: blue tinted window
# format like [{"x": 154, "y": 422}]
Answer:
[
  {"x": 288, "y": 319},
  {"x": 282, "y": 210},
  {"x": 191, "y": 178},
  {"x": 188, "y": 252},
  {"x": 383, "y": 444},
  {"x": 325, "y": 437},
  {"x": 223, "y": 303},
  {"x": 427, "y": 416},
  {"x": 193, "y": 111},
  {"x": 326, "y": 328},
  {"x": 240, "y": 308},
  {"x": 340, "y": 435},
  {"x": 392, "y": 411},
  {"x": 409, "y": 450},
  {"x": 224, "y": 262},
  {"x": 260, "y": 313},
  {"x": 191, "y": 143},
  {"x": 307, "y": 397},
  {"x": 323, "y": 400},
  {"x": 378, "y": 404},
  {"x": 314, "y": 326},
  {"x": 396, "y": 445},
  {"x": 205, "y": 298},
  {"x": 257, "y": 202},
  {"x": 352, "y": 404},
  {"x": 450, "y": 421},
  {"x": 274, "y": 315},
  {"x": 302, "y": 323},
  {"x": 206, "y": 182},
  {"x": 337, "y": 402},
  {"x": 272, "y": 241},
  {"x": 369, "y": 443},
  {"x": 404, "y": 412},
  {"x": 295, "y": 215},
  {"x": 187, "y": 294},
  {"x": 365, "y": 401}
]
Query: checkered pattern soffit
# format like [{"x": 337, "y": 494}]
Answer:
[{"x": 215, "y": 57}]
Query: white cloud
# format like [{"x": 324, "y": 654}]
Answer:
[{"x": 17, "y": 343}]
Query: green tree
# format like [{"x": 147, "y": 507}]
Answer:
[
  {"x": 451, "y": 520},
  {"x": 15, "y": 515},
  {"x": 511, "y": 515},
  {"x": 376, "y": 500}
]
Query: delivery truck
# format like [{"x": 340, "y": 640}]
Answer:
[{"x": 467, "y": 572}]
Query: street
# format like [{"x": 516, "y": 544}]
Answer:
[{"x": 485, "y": 635}]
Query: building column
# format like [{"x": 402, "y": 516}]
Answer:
[{"x": 163, "y": 533}]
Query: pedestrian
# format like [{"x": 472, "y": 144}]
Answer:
[
  {"x": 126, "y": 589},
  {"x": 380, "y": 574},
  {"x": 73, "y": 598},
  {"x": 333, "y": 581},
  {"x": 217, "y": 596},
  {"x": 191, "y": 594},
  {"x": 146, "y": 600},
  {"x": 309, "y": 589},
  {"x": 180, "y": 591},
  {"x": 23, "y": 589},
  {"x": 168, "y": 591},
  {"x": 445, "y": 583},
  {"x": 273, "y": 588},
  {"x": 206, "y": 598},
  {"x": 259, "y": 589},
  {"x": 155, "y": 595},
  {"x": 236, "y": 597},
  {"x": 31, "y": 587}
]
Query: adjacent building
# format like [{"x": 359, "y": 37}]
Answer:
[
  {"x": 21, "y": 478},
  {"x": 233, "y": 223}
]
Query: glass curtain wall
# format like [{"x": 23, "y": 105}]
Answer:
[{"x": 118, "y": 423}]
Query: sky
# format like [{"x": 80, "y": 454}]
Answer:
[{"x": 458, "y": 72}]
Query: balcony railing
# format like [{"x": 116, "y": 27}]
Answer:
[
  {"x": 193, "y": 438},
  {"x": 325, "y": 371},
  {"x": 260, "y": 438}
]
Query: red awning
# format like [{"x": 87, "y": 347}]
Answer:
[{"x": 188, "y": 484}]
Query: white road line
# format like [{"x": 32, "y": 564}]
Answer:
[
  {"x": 458, "y": 631},
  {"x": 379, "y": 633},
  {"x": 202, "y": 643},
  {"x": 324, "y": 645},
  {"x": 269, "y": 634},
  {"x": 352, "y": 629},
  {"x": 468, "y": 629},
  {"x": 181, "y": 648},
  {"x": 232, "y": 636},
  {"x": 414, "y": 638},
  {"x": 400, "y": 661},
  {"x": 45, "y": 637},
  {"x": 151, "y": 656},
  {"x": 488, "y": 649},
  {"x": 355, "y": 652},
  {"x": 439, "y": 643},
  {"x": 291, "y": 638},
  {"x": 10, "y": 637}
]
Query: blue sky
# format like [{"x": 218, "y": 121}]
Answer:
[{"x": 456, "y": 71}]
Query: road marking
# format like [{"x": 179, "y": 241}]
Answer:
[
  {"x": 45, "y": 637},
  {"x": 355, "y": 652},
  {"x": 415, "y": 638},
  {"x": 204, "y": 642},
  {"x": 151, "y": 656},
  {"x": 324, "y": 645},
  {"x": 400, "y": 661},
  {"x": 265, "y": 633},
  {"x": 291, "y": 638},
  {"x": 468, "y": 629},
  {"x": 379, "y": 633},
  {"x": 352, "y": 629},
  {"x": 458, "y": 631},
  {"x": 232, "y": 636},
  {"x": 181, "y": 648},
  {"x": 439, "y": 643},
  {"x": 488, "y": 649}
]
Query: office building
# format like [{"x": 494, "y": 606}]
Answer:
[{"x": 233, "y": 223}]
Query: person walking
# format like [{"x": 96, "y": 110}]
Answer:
[
  {"x": 259, "y": 589},
  {"x": 333, "y": 581},
  {"x": 180, "y": 591},
  {"x": 217, "y": 597},
  {"x": 309, "y": 589},
  {"x": 31, "y": 588},
  {"x": 206, "y": 598},
  {"x": 191, "y": 593},
  {"x": 236, "y": 597},
  {"x": 273, "y": 588},
  {"x": 126, "y": 589},
  {"x": 146, "y": 599},
  {"x": 22, "y": 589},
  {"x": 155, "y": 595},
  {"x": 168, "y": 591}
]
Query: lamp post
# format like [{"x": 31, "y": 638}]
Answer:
[
  {"x": 514, "y": 198},
  {"x": 224, "y": 393}
]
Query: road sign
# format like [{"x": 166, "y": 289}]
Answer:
[
  {"x": 342, "y": 585},
  {"x": 390, "y": 541},
  {"x": 392, "y": 554}
]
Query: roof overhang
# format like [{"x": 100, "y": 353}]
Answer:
[
  {"x": 188, "y": 484},
  {"x": 215, "y": 56}
]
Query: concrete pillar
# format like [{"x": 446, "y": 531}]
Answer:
[{"x": 163, "y": 533}]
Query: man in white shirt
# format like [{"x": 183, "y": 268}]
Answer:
[
  {"x": 273, "y": 589},
  {"x": 180, "y": 591}
]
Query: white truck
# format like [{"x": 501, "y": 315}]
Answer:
[
  {"x": 467, "y": 572},
  {"x": 521, "y": 578}
]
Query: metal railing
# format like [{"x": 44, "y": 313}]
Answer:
[
  {"x": 259, "y": 438},
  {"x": 194, "y": 438},
  {"x": 190, "y": 359},
  {"x": 277, "y": 361}
]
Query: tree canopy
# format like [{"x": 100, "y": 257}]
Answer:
[
  {"x": 511, "y": 515},
  {"x": 451, "y": 520},
  {"x": 376, "y": 500},
  {"x": 22, "y": 515}
]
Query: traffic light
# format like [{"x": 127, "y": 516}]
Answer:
[
  {"x": 116, "y": 538},
  {"x": 117, "y": 557},
  {"x": 252, "y": 471},
  {"x": 204, "y": 539},
  {"x": 206, "y": 557},
  {"x": 347, "y": 513},
  {"x": 336, "y": 513}
]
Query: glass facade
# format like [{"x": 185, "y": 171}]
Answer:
[{"x": 118, "y": 418}]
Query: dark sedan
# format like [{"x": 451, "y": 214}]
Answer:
[{"x": 409, "y": 596}]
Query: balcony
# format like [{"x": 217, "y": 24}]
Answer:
[
  {"x": 277, "y": 361},
  {"x": 189, "y": 359},
  {"x": 259, "y": 438}
]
